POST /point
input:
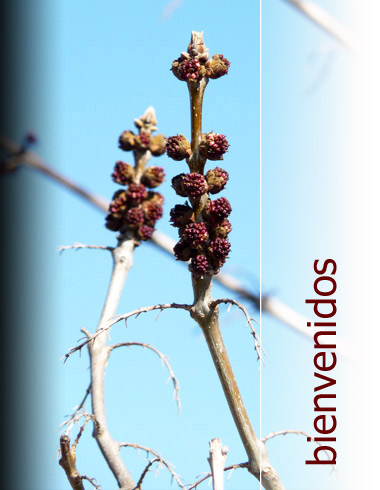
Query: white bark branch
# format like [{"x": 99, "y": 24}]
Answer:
[
  {"x": 123, "y": 260},
  {"x": 325, "y": 21},
  {"x": 217, "y": 458}
]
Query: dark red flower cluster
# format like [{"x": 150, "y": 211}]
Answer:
[
  {"x": 203, "y": 240},
  {"x": 195, "y": 64},
  {"x": 136, "y": 209}
]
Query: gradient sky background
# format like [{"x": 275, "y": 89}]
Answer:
[{"x": 94, "y": 67}]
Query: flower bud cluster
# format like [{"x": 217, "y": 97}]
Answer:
[
  {"x": 136, "y": 208},
  {"x": 196, "y": 64},
  {"x": 203, "y": 236}
]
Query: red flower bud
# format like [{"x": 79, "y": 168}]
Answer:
[
  {"x": 123, "y": 173},
  {"x": 136, "y": 193},
  {"x": 195, "y": 234},
  {"x": 213, "y": 146},
  {"x": 194, "y": 185},
  {"x": 153, "y": 177},
  {"x": 177, "y": 147},
  {"x": 200, "y": 265}
]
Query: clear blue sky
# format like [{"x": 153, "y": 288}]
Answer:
[{"x": 94, "y": 68}]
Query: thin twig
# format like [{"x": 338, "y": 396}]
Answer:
[
  {"x": 256, "y": 338},
  {"x": 70, "y": 422},
  {"x": 157, "y": 455},
  {"x": 144, "y": 473},
  {"x": 164, "y": 360},
  {"x": 297, "y": 432},
  {"x": 227, "y": 468},
  {"x": 91, "y": 338},
  {"x": 78, "y": 246},
  {"x": 325, "y": 21},
  {"x": 92, "y": 481}
]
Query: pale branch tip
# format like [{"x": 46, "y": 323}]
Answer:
[
  {"x": 165, "y": 362},
  {"x": 158, "y": 456}
]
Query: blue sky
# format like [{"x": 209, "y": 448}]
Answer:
[{"x": 94, "y": 68}]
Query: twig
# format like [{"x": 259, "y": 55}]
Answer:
[
  {"x": 115, "y": 319},
  {"x": 256, "y": 338},
  {"x": 157, "y": 455},
  {"x": 217, "y": 458},
  {"x": 325, "y": 21},
  {"x": 77, "y": 246},
  {"x": 297, "y": 432},
  {"x": 70, "y": 422},
  {"x": 92, "y": 481},
  {"x": 164, "y": 360},
  {"x": 227, "y": 468},
  {"x": 143, "y": 474}
]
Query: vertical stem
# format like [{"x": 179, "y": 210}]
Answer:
[
  {"x": 196, "y": 92},
  {"x": 122, "y": 262}
]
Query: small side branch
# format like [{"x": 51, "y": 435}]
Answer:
[
  {"x": 116, "y": 319},
  {"x": 158, "y": 458},
  {"x": 164, "y": 359},
  {"x": 144, "y": 473},
  {"x": 77, "y": 246},
  {"x": 78, "y": 411},
  {"x": 258, "y": 348},
  {"x": 297, "y": 432}
]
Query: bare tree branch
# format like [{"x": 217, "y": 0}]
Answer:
[
  {"x": 325, "y": 21},
  {"x": 77, "y": 246},
  {"x": 164, "y": 360},
  {"x": 157, "y": 455},
  {"x": 115, "y": 319}
]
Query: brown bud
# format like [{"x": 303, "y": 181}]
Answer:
[
  {"x": 157, "y": 145},
  {"x": 127, "y": 141},
  {"x": 178, "y": 147},
  {"x": 217, "y": 66}
]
